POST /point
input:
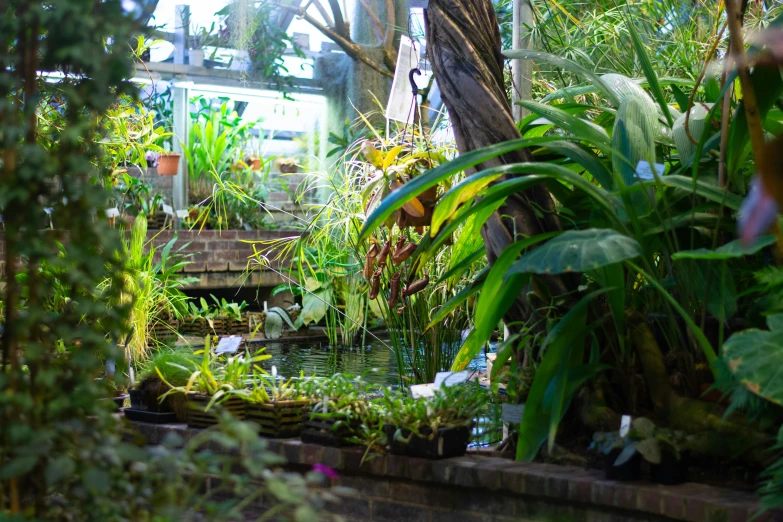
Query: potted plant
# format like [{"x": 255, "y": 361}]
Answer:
[
  {"x": 612, "y": 446},
  {"x": 168, "y": 164},
  {"x": 665, "y": 450},
  {"x": 217, "y": 382},
  {"x": 288, "y": 166},
  {"x": 164, "y": 369},
  {"x": 438, "y": 427},
  {"x": 201, "y": 37},
  {"x": 277, "y": 407},
  {"x": 229, "y": 318},
  {"x": 342, "y": 405}
]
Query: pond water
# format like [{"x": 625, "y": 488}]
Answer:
[{"x": 376, "y": 360}]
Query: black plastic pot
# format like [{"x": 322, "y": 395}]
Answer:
[
  {"x": 137, "y": 400},
  {"x": 326, "y": 432},
  {"x": 119, "y": 401},
  {"x": 670, "y": 471},
  {"x": 446, "y": 443},
  {"x": 151, "y": 417},
  {"x": 628, "y": 470}
]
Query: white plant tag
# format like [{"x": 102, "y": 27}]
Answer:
[
  {"x": 645, "y": 173},
  {"x": 229, "y": 344},
  {"x": 182, "y": 214},
  {"x": 422, "y": 391},
  {"x": 168, "y": 209},
  {"x": 112, "y": 212},
  {"x": 448, "y": 379},
  {"x": 401, "y": 103},
  {"x": 274, "y": 371},
  {"x": 512, "y": 413},
  {"x": 625, "y": 425}
]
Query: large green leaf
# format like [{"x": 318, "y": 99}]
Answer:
[
  {"x": 756, "y": 357},
  {"x": 496, "y": 195},
  {"x": 582, "y": 130},
  {"x": 433, "y": 177},
  {"x": 587, "y": 159},
  {"x": 730, "y": 250},
  {"x": 696, "y": 125},
  {"x": 633, "y": 141},
  {"x": 578, "y": 251},
  {"x": 497, "y": 296}
]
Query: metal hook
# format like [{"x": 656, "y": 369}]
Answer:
[{"x": 414, "y": 88}]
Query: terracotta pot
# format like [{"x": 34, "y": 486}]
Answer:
[
  {"x": 168, "y": 164},
  {"x": 256, "y": 164}
]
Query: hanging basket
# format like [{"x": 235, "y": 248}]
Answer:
[
  {"x": 168, "y": 164},
  {"x": 428, "y": 200}
]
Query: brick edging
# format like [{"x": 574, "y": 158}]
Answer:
[{"x": 687, "y": 502}]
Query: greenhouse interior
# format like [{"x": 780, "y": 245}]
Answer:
[{"x": 391, "y": 260}]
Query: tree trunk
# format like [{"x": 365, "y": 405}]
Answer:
[{"x": 464, "y": 48}]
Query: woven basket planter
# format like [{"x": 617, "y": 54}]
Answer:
[
  {"x": 164, "y": 329},
  {"x": 199, "y": 327},
  {"x": 277, "y": 420},
  {"x": 234, "y": 327},
  {"x": 199, "y": 418}
]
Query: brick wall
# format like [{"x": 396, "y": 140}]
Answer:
[
  {"x": 219, "y": 251},
  {"x": 479, "y": 488}
]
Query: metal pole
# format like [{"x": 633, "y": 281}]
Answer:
[
  {"x": 181, "y": 97},
  {"x": 181, "y": 30},
  {"x": 522, "y": 70}
]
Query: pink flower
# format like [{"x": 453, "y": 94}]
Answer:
[{"x": 325, "y": 470}]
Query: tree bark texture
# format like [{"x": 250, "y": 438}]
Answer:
[{"x": 464, "y": 48}]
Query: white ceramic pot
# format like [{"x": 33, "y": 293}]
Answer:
[{"x": 196, "y": 57}]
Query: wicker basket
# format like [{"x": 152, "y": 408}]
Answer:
[
  {"x": 278, "y": 420},
  {"x": 199, "y": 418}
]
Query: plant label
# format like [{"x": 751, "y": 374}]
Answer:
[
  {"x": 645, "y": 172},
  {"x": 112, "y": 212},
  {"x": 448, "y": 379},
  {"x": 418, "y": 4},
  {"x": 182, "y": 214},
  {"x": 422, "y": 391},
  {"x": 401, "y": 100},
  {"x": 625, "y": 425},
  {"x": 512, "y": 413},
  {"x": 168, "y": 209},
  {"x": 229, "y": 344}
]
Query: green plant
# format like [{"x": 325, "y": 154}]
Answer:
[
  {"x": 228, "y": 310},
  {"x": 169, "y": 364},
  {"x": 650, "y": 441},
  {"x": 253, "y": 28},
  {"x": 639, "y": 239},
  {"x": 152, "y": 288},
  {"x": 450, "y": 407},
  {"x": 216, "y": 378},
  {"x": 267, "y": 391}
]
